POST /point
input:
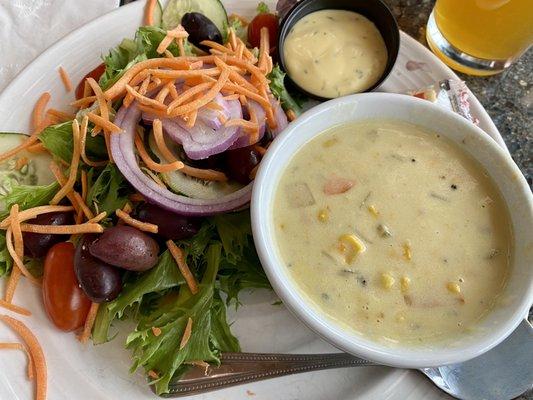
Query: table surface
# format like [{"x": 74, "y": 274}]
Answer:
[{"x": 507, "y": 97}]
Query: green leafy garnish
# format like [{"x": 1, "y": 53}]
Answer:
[
  {"x": 5, "y": 259},
  {"x": 57, "y": 139},
  {"x": 28, "y": 197},
  {"x": 222, "y": 253},
  {"x": 109, "y": 191},
  {"x": 262, "y": 8},
  {"x": 130, "y": 52},
  {"x": 277, "y": 86}
]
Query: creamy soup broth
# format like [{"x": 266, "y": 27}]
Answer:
[{"x": 393, "y": 231}]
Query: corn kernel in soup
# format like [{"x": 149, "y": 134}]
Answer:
[{"x": 393, "y": 231}]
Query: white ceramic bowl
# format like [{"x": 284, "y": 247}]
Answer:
[{"x": 518, "y": 295}]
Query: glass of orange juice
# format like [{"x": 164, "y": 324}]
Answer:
[{"x": 480, "y": 37}]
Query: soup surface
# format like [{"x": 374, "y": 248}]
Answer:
[
  {"x": 331, "y": 53},
  {"x": 393, "y": 231}
]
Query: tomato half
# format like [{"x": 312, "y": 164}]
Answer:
[
  {"x": 64, "y": 301},
  {"x": 269, "y": 21},
  {"x": 95, "y": 74}
]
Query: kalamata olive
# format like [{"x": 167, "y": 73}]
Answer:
[
  {"x": 171, "y": 226},
  {"x": 36, "y": 245},
  {"x": 241, "y": 162},
  {"x": 200, "y": 28},
  {"x": 126, "y": 247},
  {"x": 100, "y": 281}
]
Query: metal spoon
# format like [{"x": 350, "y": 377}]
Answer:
[{"x": 503, "y": 373}]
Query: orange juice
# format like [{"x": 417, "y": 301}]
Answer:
[{"x": 490, "y": 29}]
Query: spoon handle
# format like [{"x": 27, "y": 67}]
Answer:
[{"x": 238, "y": 368}]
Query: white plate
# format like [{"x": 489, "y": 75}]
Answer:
[{"x": 101, "y": 372}]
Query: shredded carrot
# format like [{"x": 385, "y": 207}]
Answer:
[
  {"x": 251, "y": 95},
  {"x": 37, "y": 148},
  {"x": 247, "y": 125},
  {"x": 73, "y": 165},
  {"x": 87, "y": 227},
  {"x": 65, "y": 78},
  {"x": 178, "y": 33},
  {"x": 154, "y": 177},
  {"x": 60, "y": 178},
  {"x": 120, "y": 86},
  {"x": 87, "y": 91},
  {"x": 232, "y": 38},
  {"x": 156, "y": 331},
  {"x": 206, "y": 98},
  {"x": 98, "y": 218},
  {"x": 36, "y": 351},
  {"x": 127, "y": 208},
  {"x": 143, "y": 99},
  {"x": 84, "y": 101},
  {"x": 216, "y": 46},
  {"x": 163, "y": 45},
  {"x": 34, "y": 212},
  {"x": 83, "y": 138},
  {"x": 12, "y": 283},
  {"x": 231, "y": 97},
  {"x": 162, "y": 95},
  {"x": 187, "y": 94},
  {"x": 186, "y": 334},
  {"x": 191, "y": 118},
  {"x": 144, "y": 85},
  {"x": 143, "y": 226},
  {"x": 150, "y": 110},
  {"x": 151, "y": 163},
  {"x": 89, "y": 323},
  {"x": 179, "y": 257},
  {"x": 60, "y": 115},
  {"x": 24, "y": 145},
  {"x": 83, "y": 207},
  {"x": 14, "y": 308},
  {"x": 149, "y": 12},
  {"x": 102, "y": 104},
  {"x": 172, "y": 90},
  {"x": 264, "y": 50},
  {"x": 38, "y": 111},
  {"x": 214, "y": 106},
  {"x": 181, "y": 46},
  {"x": 21, "y": 347},
  {"x": 21, "y": 162},
  {"x": 152, "y": 374},
  {"x": 168, "y": 54},
  {"x": 17, "y": 255},
  {"x": 97, "y": 120}
]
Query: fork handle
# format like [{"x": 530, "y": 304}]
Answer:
[{"x": 238, "y": 368}]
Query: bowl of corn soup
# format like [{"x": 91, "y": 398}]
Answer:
[{"x": 397, "y": 231}]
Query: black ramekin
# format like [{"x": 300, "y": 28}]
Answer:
[{"x": 375, "y": 10}]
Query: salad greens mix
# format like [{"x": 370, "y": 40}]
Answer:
[{"x": 221, "y": 254}]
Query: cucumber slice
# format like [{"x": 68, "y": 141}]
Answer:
[
  {"x": 35, "y": 172},
  {"x": 195, "y": 188},
  {"x": 212, "y": 9}
]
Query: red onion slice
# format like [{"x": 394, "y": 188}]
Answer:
[
  {"x": 279, "y": 115},
  {"x": 122, "y": 149},
  {"x": 244, "y": 138}
]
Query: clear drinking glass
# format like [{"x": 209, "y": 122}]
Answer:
[{"x": 480, "y": 37}]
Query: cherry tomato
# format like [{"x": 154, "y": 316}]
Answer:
[
  {"x": 269, "y": 21},
  {"x": 64, "y": 301},
  {"x": 95, "y": 74}
]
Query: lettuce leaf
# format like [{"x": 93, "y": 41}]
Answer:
[
  {"x": 130, "y": 52},
  {"x": 57, "y": 139},
  {"x": 27, "y": 196},
  {"x": 5, "y": 259},
  {"x": 277, "y": 86},
  {"x": 109, "y": 191},
  {"x": 222, "y": 253}
]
